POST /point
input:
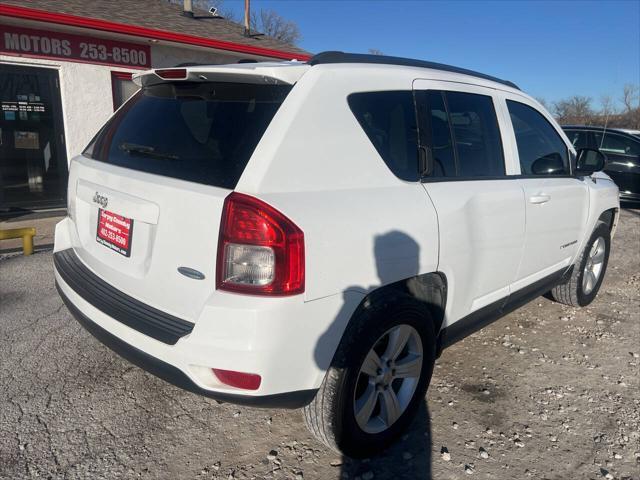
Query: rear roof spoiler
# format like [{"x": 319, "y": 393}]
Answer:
[{"x": 274, "y": 73}]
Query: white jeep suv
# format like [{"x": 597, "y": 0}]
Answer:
[{"x": 314, "y": 234}]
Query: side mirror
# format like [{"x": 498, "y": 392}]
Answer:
[
  {"x": 589, "y": 160},
  {"x": 551, "y": 164}
]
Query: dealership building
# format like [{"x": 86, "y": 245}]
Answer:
[{"x": 66, "y": 65}]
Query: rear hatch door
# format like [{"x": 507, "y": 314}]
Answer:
[{"x": 148, "y": 192}]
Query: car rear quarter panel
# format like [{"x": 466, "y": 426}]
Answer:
[{"x": 363, "y": 227}]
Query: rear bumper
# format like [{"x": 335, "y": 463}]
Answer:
[
  {"x": 118, "y": 305},
  {"x": 289, "y": 342},
  {"x": 175, "y": 376}
]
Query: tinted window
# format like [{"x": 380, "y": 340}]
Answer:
[
  {"x": 389, "y": 120},
  {"x": 476, "y": 134},
  {"x": 462, "y": 132},
  {"x": 579, "y": 138},
  {"x": 437, "y": 124},
  {"x": 541, "y": 150},
  {"x": 617, "y": 144},
  {"x": 201, "y": 132}
]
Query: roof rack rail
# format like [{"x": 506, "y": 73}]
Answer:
[{"x": 342, "y": 57}]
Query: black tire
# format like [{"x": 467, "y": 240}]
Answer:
[
  {"x": 330, "y": 416},
  {"x": 571, "y": 291}
]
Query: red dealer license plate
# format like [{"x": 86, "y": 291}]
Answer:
[{"x": 115, "y": 232}]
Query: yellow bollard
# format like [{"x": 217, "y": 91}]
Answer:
[{"x": 26, "y": 234}]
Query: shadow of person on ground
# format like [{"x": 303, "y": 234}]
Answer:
[
  {"x": 396, "y": 256},
  {"x": 408, "y": 458}
]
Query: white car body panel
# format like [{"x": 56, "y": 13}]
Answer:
[
  {"x": 236, "y": 332},
  {"x": 165, "y": 238},
  {"x": 553, "y": 227},
  {"x": 364, "y": 228},
  {"x": 481, "y": 236}
]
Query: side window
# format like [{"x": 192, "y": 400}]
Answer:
[
  {"x": 476, "y": 133},
  {"x": 617, "y": 144},
  {"x": 579, "y": 138},
  {"x": 437, "y": 126},
  {"x": 462, "y": 131},
  {"x": 389, "y": 120},
  {"x": 541, "y": 150}
]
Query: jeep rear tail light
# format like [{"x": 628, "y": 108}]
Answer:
[{"x": 260, "y": 251}]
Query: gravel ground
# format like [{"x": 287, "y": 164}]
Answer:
[{"x": 548, "y": 392}]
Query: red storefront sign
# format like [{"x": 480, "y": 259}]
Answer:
[{"x": 78, "y": 48}]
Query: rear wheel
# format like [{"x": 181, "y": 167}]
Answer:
[
  {"x": 582, "y": 287},
  {"x": 377, "y": 379}
]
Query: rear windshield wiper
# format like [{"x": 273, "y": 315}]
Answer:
[{"x": 146, "y": 150}]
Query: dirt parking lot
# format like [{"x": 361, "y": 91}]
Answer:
[{"x": 549, "y": 392}]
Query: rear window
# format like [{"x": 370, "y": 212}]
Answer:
[{"x": 199, "y": 132}]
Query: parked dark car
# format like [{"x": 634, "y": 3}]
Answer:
[{"x": 622, "y": 149}]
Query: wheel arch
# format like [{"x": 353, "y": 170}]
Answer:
[
  {"x": 429, "y": 289},
  {"x": 610, "y": 218}
]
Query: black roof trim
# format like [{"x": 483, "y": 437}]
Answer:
[{"x": 342, "y": 57}]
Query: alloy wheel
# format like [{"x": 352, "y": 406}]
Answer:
[
  {"x": 388, "y": 379},
  {"x": 593, "y": 267}
]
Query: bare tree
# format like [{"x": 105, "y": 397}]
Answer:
[
  {"x": 630, "y": 97},
  {"x": 267, "y": 22},
  {"x": 271, "y": 23},
  {"x": 375, "y": 51},
  {"x": 576, "y": 110},
  {"x": 544, "y": 103},
  {"x": 607, "y": 106}
]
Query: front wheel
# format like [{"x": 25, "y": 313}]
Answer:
[
  {"x": 377, "y": 380},
  {"x": 581, "y": 288}
]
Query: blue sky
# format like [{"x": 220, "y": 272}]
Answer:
[{"x": 551, "y": 49}]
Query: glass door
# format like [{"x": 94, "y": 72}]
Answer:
[{"x": 33, "y": 161}]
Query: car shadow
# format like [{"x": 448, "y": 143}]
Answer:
[{"x": 396, "y": 256}]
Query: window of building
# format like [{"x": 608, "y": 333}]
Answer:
[
  {"x": 122, "y": 87},
  {"x": 461, "y": 129},
  {"x": 540, "y": 148},
  {"x": 389, "y": 120},
  {"x": 33, "y": 162}
]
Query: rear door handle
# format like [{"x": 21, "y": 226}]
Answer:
[{"x": 542, "y": 198}]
